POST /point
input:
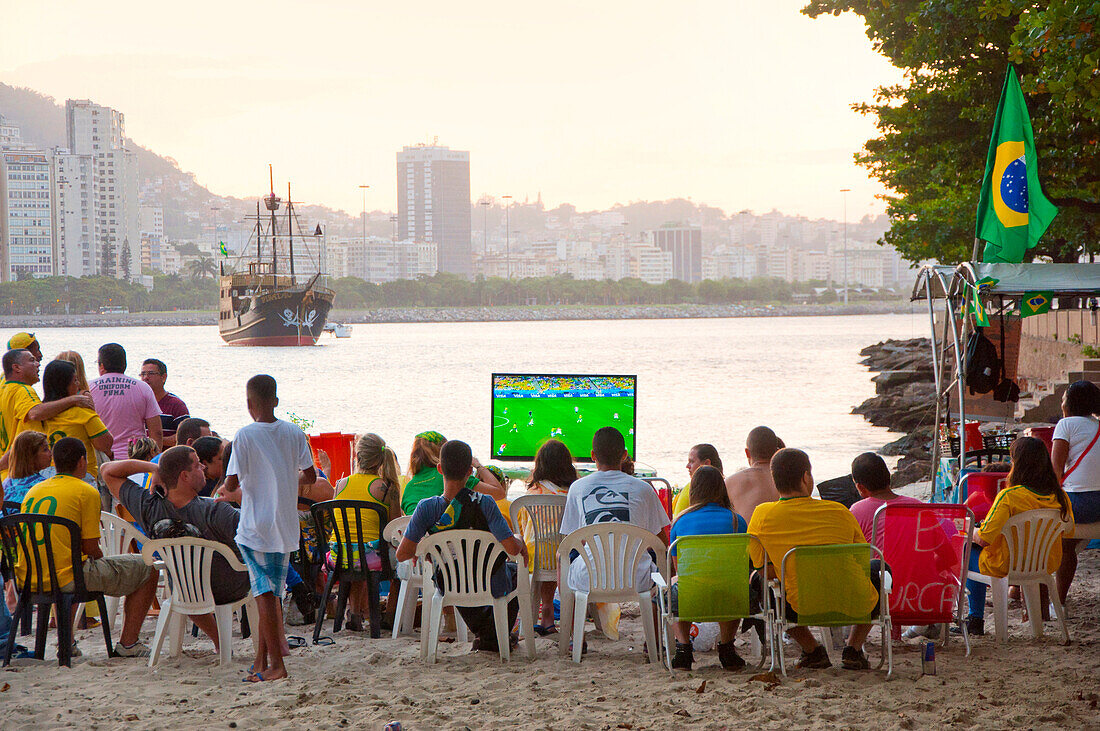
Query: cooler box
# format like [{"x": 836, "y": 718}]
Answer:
[{"x": 339, "y": 448}]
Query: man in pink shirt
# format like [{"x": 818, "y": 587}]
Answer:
[
  {"x": 126, "y": 405},
  {"x": 872, "y": 478}
]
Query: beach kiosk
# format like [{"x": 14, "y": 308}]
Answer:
[{"x": 995, "y": 295}]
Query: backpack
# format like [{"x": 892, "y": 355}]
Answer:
[{"x": 983, "y": 364}]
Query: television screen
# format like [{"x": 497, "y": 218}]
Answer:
[{"x": 529, "y": 409}]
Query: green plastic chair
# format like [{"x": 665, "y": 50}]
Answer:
[
  {"x": 713, "y": 579},
  {"x": 826, "y": 585}
]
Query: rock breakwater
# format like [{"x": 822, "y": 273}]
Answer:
[{"x": 904, "y": 401}]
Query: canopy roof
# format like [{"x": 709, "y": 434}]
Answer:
[{"x": 1012, "y": 280}]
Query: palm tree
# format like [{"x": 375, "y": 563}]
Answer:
[{"x": 202, "y": 267}]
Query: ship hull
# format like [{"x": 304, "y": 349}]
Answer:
[{"x": 291, "y": 317}]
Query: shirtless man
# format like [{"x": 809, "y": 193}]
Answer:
[{"x": 753, "y": 485}]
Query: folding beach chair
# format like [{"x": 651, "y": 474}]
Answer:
[
  {"x": 928, "y": 549},
  {"x": 713, "y": 581},
  {"x": 824, "y": 583}
]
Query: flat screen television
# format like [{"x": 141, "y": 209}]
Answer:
[{"x": 529, "y": 408}]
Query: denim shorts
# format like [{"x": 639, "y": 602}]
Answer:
[{"x": 1086, "y": 506}]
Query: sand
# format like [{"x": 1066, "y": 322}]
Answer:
[{"x": 364, "y": 683}]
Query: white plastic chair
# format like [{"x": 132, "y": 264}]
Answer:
[
  {"x": 465, "y": 560},
  {"x": 1030, "y": 536},
  {"x": 409, "y": 574},
  {"x": 545, "y": 513},
  {"x": 188, "y": 562},
  {"x": 611, "y": 552},
  {"x": 115, "y": 535}
]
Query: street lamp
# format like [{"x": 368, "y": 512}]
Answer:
[
  {"x": 507, "y": 235},
  {"x": 484, "y": 203},
  {"x": 366, "y": 254},
  {"x": 845, "y": 192}
]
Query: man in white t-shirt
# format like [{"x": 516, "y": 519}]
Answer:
[
  {"x": 270, "y": 460},
  {"x": 612, "y": 496}
]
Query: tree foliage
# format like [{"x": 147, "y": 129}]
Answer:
[
  {"x": 87, "y": 294},
  {"x": 935, "y": 128}
]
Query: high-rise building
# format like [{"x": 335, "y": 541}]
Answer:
[
  {"x": 685, "y": 243},
  {"x": 433, "y": 203},
  {"x": 26, "y": 221},
  {"x": 98, "y": 213}
]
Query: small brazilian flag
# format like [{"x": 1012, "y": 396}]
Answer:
[
  {"x": 1035, "y": 303},
  {"x": 1013, "y": 213},
  {"x": 225, "y": 251},
  {"x": 974, "y": 302}
]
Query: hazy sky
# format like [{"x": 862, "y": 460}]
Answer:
[{"x": 732, "y": 103}]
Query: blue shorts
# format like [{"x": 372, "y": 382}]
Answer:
[
  {"x": 266, "y": 571},
  {"x": 1086, "y": 506}
]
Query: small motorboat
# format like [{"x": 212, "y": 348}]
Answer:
[{"x": 338, "y": 329}]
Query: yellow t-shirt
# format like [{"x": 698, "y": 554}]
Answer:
[
  {"x": 358, "y": 488},
  {"x": 65, "y": 497},
  {"x": 682, "y": 501},
  {"x": 804, "y": 521},
  {"x": 16, "y": 400},
  {"x": 79, "y": 422},
  {"x": 993, "y": 560}
]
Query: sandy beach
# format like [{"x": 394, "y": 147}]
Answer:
[{"x": 364, "y": 683}]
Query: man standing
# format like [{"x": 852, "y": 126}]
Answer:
[
  {"x": 155, "y": 373},
  {"x": 753, "y": 485},
  {"x": 182, "y": 477},
  {"x": 20, "y": 407},
  {"x": 126, "y": 405},
  {"x": 269, "y": 461},
  {"x": 68, "y": 496}
]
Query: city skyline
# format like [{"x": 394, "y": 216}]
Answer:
[{"x": 737, "y": 107}]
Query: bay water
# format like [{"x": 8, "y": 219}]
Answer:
[{"x": 699, "y": 380}]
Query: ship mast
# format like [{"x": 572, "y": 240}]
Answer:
[
  {"x": 272, "y": 204},
  {"x": 290, "y": 227}
]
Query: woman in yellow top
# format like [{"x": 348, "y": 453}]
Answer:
[
  {"x": 552, "y": 474},
  {"x": 698, "y": 456},
  {"x": 1031, "y": 485},
  {"x": 376, "y": 480},
  {"x": 59, "y": 381}
]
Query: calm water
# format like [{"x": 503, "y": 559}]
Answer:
[{"x": 698, "y": 380}]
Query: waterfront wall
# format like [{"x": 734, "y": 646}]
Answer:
[{"x": 473, "y": 314}]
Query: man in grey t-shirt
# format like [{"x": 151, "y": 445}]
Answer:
[{"x": 181, "y": 478}]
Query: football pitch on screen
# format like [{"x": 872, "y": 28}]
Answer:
[{"x": 521, "y": 425}]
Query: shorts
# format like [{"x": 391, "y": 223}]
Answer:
[
  {"x": 1086, "y": 506},
  {"x": 374, "y": 560},
  {"x": 114, "y": 575},
  {"x": 266, "y": 571}
]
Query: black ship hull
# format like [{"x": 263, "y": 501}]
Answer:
[{"x": 280, "y": 317}]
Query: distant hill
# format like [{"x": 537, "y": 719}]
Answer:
[{"x": 186, "y": 204}]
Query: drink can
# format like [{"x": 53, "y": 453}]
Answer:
[{"x": 928, "y": 657}]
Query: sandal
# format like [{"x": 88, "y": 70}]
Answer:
[
  {"x": 544, "y": 631},
  {"x": 294, "y": 642}
]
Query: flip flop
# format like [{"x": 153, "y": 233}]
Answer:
[
  {"x": 544, "y": 631},
  {"x": 294, "y": 642},
  {"x": 253, "y": 678}
]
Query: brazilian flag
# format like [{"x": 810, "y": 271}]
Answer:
[
  {"x": 1035, "y": 303},
  {"x": 1013, "y": 213},
  {"x": 225, "y": 251}
]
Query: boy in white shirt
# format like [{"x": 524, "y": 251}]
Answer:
[{"x": 270, "y": 460}]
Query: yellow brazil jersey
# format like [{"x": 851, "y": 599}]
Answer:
[
  {"x": 16, "y": 399},
  {"x": 358, "y": 488},
  {"x": 65, "y": 497},
  {"x": 804, "y": 521},
  {"x": 1010, "y": 501},
  {"x": 82, "y": 423}
]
